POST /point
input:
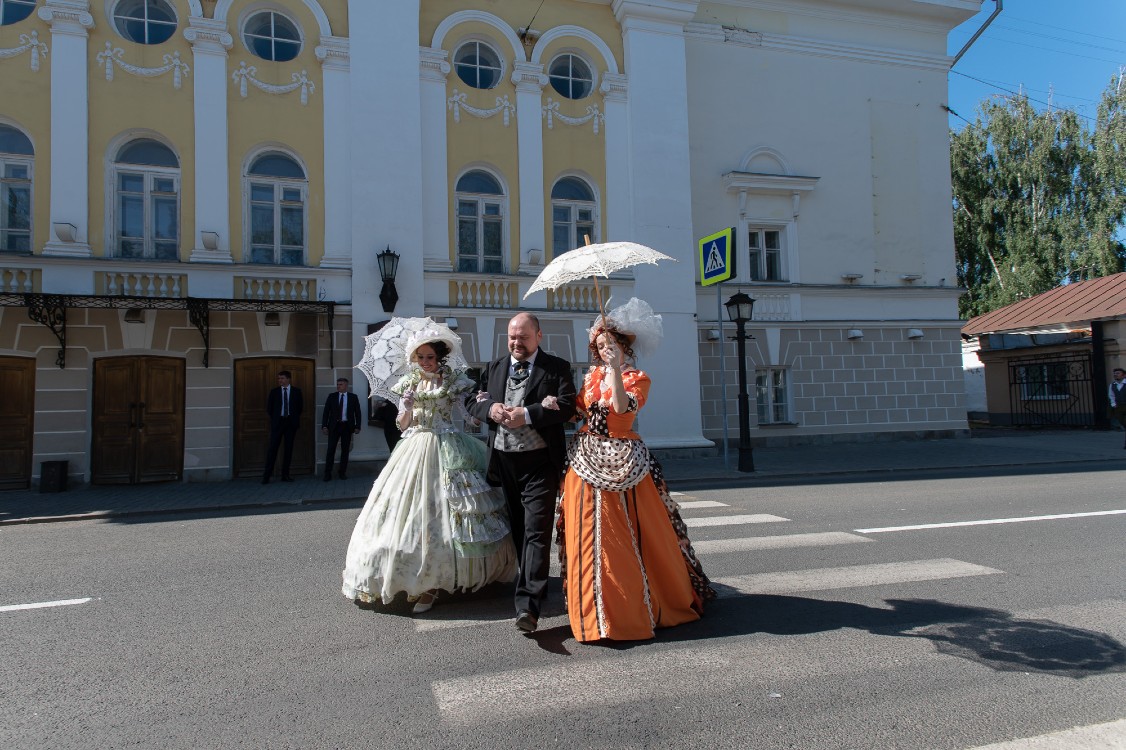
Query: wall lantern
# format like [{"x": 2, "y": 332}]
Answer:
[
  {"x": 272, "y": 319},
  {"x": 134, "y": 315},
  {"x": 388, "y": 262}
]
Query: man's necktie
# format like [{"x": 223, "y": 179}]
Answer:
[
  {"x": 285, "y": 402},
  {"x": 343, "y": 414},
  {"x": 520, "y": 372}
]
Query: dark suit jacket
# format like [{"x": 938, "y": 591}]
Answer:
[
  {"x": 331, "y": 415},
  {"x": 551, "y": 376},
  {"x": 274, "y": 405}
]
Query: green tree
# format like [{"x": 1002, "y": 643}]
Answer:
[{"x": 1039, "y": 199}]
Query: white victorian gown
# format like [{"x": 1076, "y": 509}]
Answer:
[{"x": 431, "y": 521}]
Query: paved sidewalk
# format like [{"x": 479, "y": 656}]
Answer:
[{"x": 1018, "y": 450}]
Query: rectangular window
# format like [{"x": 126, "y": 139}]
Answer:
[
  {"x": 764, "y": 248},
  {"x": 148, "y": 215},
  {"x": 15, "y": 207},
  {"x": 277, "y": 224},
  {"x": 480, "y": 236},
  {"x": 1044, "y": 382},
  {"x": 772, "y": 396}
]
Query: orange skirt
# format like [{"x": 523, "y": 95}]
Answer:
[{"x": 625, "y": 574}]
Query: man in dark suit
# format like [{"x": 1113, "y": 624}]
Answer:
[
  {"x": 340, "y": 421},
  {"x": 527, "y": 450},
  {"x": 283, "y": 407}
]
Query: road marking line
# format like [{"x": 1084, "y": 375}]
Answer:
[
  {"x": 44, "y": 605},
  {"x": 732, "y": 520},
  {"x": 1109, "y": 735},
  {"x": 989, "y": 521},
  {"x": 690, "y": 504},
  {"x": 852, "y": 576},
  {"x": 744, "y": 544}
]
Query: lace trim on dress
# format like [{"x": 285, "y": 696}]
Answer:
[{"x": 614, "y": 464}]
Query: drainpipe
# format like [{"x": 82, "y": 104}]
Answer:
[{"x": 996, "y": 12}]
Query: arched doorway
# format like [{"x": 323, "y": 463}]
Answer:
[
  {"x": 255, "y": 377},
  {"x": 138, "y": 420}
]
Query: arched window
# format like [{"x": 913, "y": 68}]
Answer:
[
  {"x": 573, "y": 212},
  {"x": 17, "y": 158},
  {"x": 477, "y": 65},
  {"x": 272, "y": 36},
  {"x": 14, "y": 11},
  {"x": 145, "y": 21},
  {"x": 570, "y": 76},
  {"x": 480, "y": 223},
  {"x": 275, "y": 192},
  {"x": 147, "y": 201}
]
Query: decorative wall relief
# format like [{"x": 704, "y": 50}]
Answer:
[
  {"x": 551, "y": 113},
  {"x": 300, "y": 81},
  {"x": 28, "y": 42},
  {"x": 457, "y": 103},
  {"x": 112, "y": 56}
]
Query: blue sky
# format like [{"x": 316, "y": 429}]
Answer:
[{"x": 1065, "y": 50}]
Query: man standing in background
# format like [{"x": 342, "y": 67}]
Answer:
[
  {"x": 283, "y": 407},
  {"x": 340, "y": 421}
]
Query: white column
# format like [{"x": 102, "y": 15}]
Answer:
[
  {"x": 210, "y": 41},
  {"x": 619, "y": 198},
  {"x": 334, "y": 56},
  {"x": 70, "y": 135},
  {"x": 529, "y": 80},
  {"x": 386, "y": 156},
  {"x": 661, "y": 193},
  {"x": 433, "y": 67}
]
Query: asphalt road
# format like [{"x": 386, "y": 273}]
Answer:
[{"x": 228, "y": 630}]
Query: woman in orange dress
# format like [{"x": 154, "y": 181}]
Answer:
[{"x": 628, "y": 566}]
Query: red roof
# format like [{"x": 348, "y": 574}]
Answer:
[{"x": 1081, "y": 302}]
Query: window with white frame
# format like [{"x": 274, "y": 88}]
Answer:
[
  {"x": 271, "y": 36},
  {"x": 275, "y": 192},
  {"x": 772, "y": 396},
  {"x": 480, "y": 223},
  {"x": 478, "y": 65},
  {"x": 573, "y": 212},
  {"x": 144, "y": 21},
  {"x": 146, "y": 176},
  {"x": 766, "y": 260},
  {"x": 570, "y": 76},
  {"x": 17, "y": 157},
  {"x": 1044, "y": 382},
  {"x": 14, "y": 11}
]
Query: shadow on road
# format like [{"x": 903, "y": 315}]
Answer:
[{"x": 990, "y": 637}]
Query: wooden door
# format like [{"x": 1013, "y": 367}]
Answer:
[
  {"x": 138, "y": 420},
  {"x": 17, "y": 413},
  {"x": 254, "y": 379}
]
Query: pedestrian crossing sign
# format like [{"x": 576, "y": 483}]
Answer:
[{"x": 717, "y": 257}]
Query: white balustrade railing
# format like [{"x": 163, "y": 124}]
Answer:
[
  {"x": 577, "y": 297},
  {"x": 287, "y": 290},
  {"x": 144, "y": 284},
  {"x": 486, "y": 293},
  {"x": 20, "y": 280},
  {"x": 772, "y": 306}
]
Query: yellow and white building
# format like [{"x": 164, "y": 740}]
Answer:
[{"x": 194, "y": 193}]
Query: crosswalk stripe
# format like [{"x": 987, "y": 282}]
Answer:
[
  {"x": 44, "y": 605},
  {"x": 596, "y": 679},
  {"x": 695, "y": 504},
  {"x": 989, "y": 521},
  {"x": 732, "y": 520},
  {"x": 852, "y": 576},
  {"x": 1106, "y": 736},
  {"x": 744, "y": 544}
]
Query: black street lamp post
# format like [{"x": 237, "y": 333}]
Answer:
[
  {"x": 739, "y": 309},
  {"x": 388, "y": 262}
]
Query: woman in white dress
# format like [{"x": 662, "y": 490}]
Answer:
[{"x": 431, "y": 522}]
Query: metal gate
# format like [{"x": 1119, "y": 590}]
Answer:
[{"x": 1053, "y": 389}]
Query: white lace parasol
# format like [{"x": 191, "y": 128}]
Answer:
[
  {"x": 590, "y": 261},
  {"x": 387, "y": 352}
]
